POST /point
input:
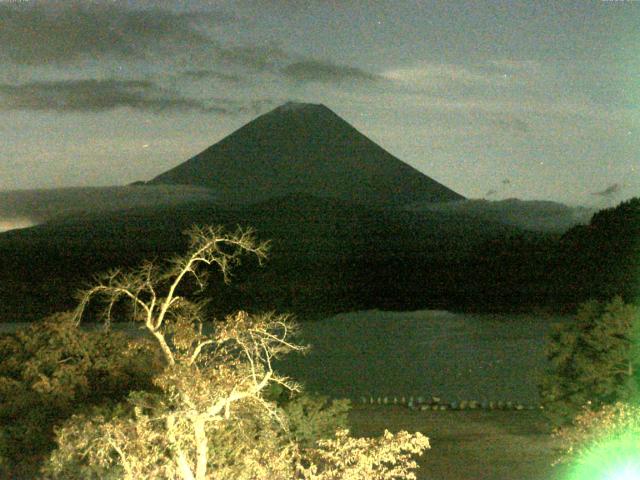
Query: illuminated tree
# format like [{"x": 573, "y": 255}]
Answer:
[
  {"x": 593, "y": 360},
  {"x": 210, "y": 416},
  {"x": 346, "y": 458},
  {"x": 52, "y": 369}
]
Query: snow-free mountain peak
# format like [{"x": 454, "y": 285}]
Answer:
[{"x": 304, "y": 148}]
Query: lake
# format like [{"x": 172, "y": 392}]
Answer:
[{"x": 423, "y": 353}]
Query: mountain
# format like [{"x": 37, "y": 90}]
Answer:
[
  {"x": 304, "y": 148},
  {"x": 326, "y": 255}
]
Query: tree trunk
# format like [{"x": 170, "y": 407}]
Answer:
[
  {"x": 201, "y": 448},
  {"x": 181, "y": 459}
]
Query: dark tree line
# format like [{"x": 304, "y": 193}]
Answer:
[{"x": 327, "y": 261}]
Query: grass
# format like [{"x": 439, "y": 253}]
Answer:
[{"x": 470, "y": 445}]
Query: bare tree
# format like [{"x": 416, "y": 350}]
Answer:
[
  {"x": 214, "y": 382},
  {"x": 142, "y": 286},
  {"x": 206, "y": 374}
]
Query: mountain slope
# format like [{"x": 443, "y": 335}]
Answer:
[
  {"x": 326, "y": 255},
  {"x": 304, "y": 148}
]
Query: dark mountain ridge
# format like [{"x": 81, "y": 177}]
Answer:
[
  {"x": 326, "y": 255},
  {"x": 352, "y": 227},
  {"x": 335, "y": 256},
  {"x": 304, "y": 148}
]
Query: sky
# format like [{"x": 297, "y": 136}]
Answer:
[{"x": 501, "y": 99}]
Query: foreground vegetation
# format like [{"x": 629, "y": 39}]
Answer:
[
  {"x": 206, "y": 403},
  {"x": 205, "y": 406},
  {"x": 591, "y": 391},
  {"x": 593, "y": 361}
]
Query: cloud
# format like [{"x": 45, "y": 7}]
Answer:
[
  {"x": 508, "y": 122},
  {"x": 527, "y": 83},
  {"x": 211, "y": 75},
  {"x": 80, "y": 34},
  {"x": 253, "y": 106},
  {"x": 45, "y": 33},
  {"x": 255, "y": 57},
  {"x": 96, "y": 96},
  {"x": 104, "y": 95},
  {"x": 437, "y": 75},
  {"x": 320, "y": 71},
  {"x": 502, "y": 73},
  {"x": 510, "y": 67},
  {"x": 610, "y": 191},
  {"x": 7, "y": 224},
  {"x": 503, "y": 121}
]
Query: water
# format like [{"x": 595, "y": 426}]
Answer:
[{"x": 424, "y": 353}]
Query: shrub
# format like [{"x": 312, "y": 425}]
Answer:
[
  {"x": 593, "y": 361},
  {"x": 348, "y": 458},
  {"x": 315, "y": 417},
  {"x": 52, "y": 369}
]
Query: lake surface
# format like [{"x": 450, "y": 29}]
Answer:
[{"x": 453, "y": 356}]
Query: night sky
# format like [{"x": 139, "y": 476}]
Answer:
[{"x": 531, "y": 99}]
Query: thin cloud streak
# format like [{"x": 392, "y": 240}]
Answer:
[
  {"x": 93, "y": 96},
  {"x": 104, "y": 95},
  {"x": 502, "y": 121},
  {"x": 210, "y": 75},
  {"x": 326, "y": 72},
  {"x": 610, "y": 191},
  {"x": 439, "y": 75},
  {"x": 253, "y": 57}
]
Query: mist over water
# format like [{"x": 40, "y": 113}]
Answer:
[
  {"x": 7, "y": 224},
  {"x": 25, "y": 208}
]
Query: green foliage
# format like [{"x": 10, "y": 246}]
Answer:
[
  {"x": 315, "y": 417},
  {"x": 310, "y": 417},
  {"x": 593, "y": 360},
  {"x": 384, "y": 458},
  {"x": 52, "y": 369}
]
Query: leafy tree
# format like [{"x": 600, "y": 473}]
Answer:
[
  {"x": 348, "y": 458},
  {"x": 211, "y": 415},
  {"x": 593, "y": 360},
  {"x": 52, "y": 369},
  {"x": 312, "y": 418},
  {"x": 602, "y": 259}
]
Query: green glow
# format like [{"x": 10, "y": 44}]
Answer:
[
  {"x": 625, "y": 472},
  {"x": 614, "y": 459}
]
